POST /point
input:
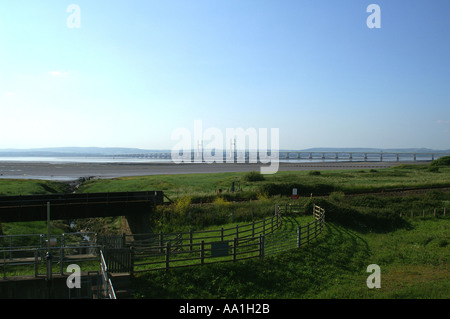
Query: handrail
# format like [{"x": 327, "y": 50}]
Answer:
[{"x": 107, "y": 285}]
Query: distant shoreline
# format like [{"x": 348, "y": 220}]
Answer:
[{"x": 63, "y": 171}]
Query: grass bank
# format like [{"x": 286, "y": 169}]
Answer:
[
  {"x": 413, "y": 259},
  {"x": 204, "y": 187}
]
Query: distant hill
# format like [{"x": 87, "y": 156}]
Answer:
[
  {"x": 387, "y": 150},
  {"x": 74, "y": 151}
]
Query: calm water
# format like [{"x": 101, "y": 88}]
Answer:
[{"x": 316, "y": 157}]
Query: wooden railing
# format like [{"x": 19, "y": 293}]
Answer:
[{"x": 254, "y": 240}]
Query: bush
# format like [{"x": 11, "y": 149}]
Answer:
[
  {"x": 253, "y": 177},
  {"x": 363, "y": 220},
  {"x": 443, "y": 161},
  {"x": 337, "y": 196},
  {"x": 285, "y": 189},
  {"x": 314, "y": 173},
  {"x": 433, "y": 169}
]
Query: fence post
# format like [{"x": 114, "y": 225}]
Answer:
[
  {"x": 131, "y": 261},
  {"x": 237, "y": 231},
  {"x": 299, "y": 236},
  {"x": 234, "y": 248},
  {"x": 61, "y": 260},
  {"x": 167, "y": 255},
  {"x": 261, "y": 246},
  {"x": 36, "y": 265},
  {"x": 435, "y": 212},
  {"x": 307, "y": 241},
  {"x": 202, "y": 252},
  {"x": 221, "y": 234},
  {"x": 444, "y": 211},
  {"x": 124, "y": 240},
  {"x": 190, "y": 239},
  {"x": 253, "y": 228}
]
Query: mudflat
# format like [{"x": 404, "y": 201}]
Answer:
[{"x": 74, "y": 170}]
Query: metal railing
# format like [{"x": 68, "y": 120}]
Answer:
[
  {"x": 39, "y": 253},
  {"x": 107, "y": 289}
]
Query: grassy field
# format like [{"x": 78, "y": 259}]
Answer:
[
  {"x": 204, "y": 186},
  {"x": 361, "y": 229},
  {"x": 413, "y": 258}
]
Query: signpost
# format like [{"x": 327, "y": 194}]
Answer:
[{"x": 294, "y": 194}]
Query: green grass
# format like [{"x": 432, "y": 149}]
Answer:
[
  {"x": 30, "y": 187},
  {"x": 360, "y": 230},
  {"x": 334, "y": 266},
  {"x": 203, "y": 187}
]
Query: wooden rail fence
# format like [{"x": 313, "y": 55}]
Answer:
[{"x": 187, "y": 249}]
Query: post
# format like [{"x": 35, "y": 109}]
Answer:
[
  {"x": 307, "y": 229},
  {"x": 167, "y": 255},
  {"x": 234, "y": 248},
  {"x": 36, "y": 265},
  {"x": 49, "y": 256},
  {"x": 221, "y": 234},
  {"x": 190, "y": 239},
  {"x": 299, "y": 236},
  {"x": 202, "y": 252},
  {"x": 261, "y": 246},
  {"x": 435, "y": 212},
  {"x": 61, "y": 260},
  {"x": 48, "y": 226}
]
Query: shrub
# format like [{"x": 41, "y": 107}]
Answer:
[
  {"x": 433, "y": 169},
  {"x": 337, "y": 196},
  {"x": 253, "y": 177},
  {"x": 314, "y": 173},
  {"x": 443, "y": 161},
  {"x": 285, "y": 189}
]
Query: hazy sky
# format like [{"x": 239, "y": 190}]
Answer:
[{"x": 132, "y": 72}]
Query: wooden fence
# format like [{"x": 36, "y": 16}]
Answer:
[
  {"x": 291, "y": 239},
  {"x": 423, "y": 213},
  {"x": 254, "y": 240}
]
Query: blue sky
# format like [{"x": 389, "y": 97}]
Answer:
[{"x": 135, "y": 71}]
